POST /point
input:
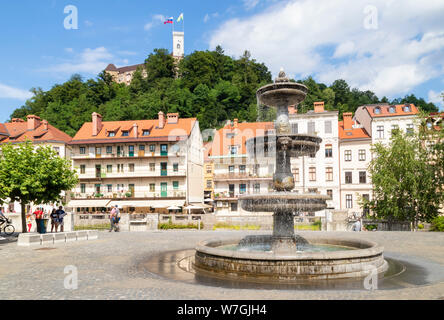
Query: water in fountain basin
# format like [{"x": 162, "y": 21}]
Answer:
[{"x": 263, "y": 247}]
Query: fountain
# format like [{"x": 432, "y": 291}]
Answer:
[{"x": 284, "y": 255}]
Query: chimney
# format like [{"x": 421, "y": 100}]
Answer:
[
  {"x": 292, "y": 110},
  {"x": 135, "y": 130},
  {"x": 45, "y": 125},
  {"x": 348, "y": 122},
  {"x": 173, "y": 118},
  {"x": 33, "y": 122},
  {"x": 97, "y": 123},
  {"x": 161, "y": 120},
  {"x": 319, "y": 107},
  {"x": 235, "y": 122}
]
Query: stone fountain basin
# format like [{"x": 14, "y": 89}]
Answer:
[
  {"x": 365, "y": 257},
  {"x": 282, "y": 94},
  {"x": 284, "y": 201}
]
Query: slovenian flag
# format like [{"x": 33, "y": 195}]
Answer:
[{"x": 169, "y": 20}]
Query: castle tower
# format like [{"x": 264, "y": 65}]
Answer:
[{"x": 178, "y": 45}]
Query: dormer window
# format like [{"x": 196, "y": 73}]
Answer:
[
  {"x": 377, "y": 110},
  {"x": 407, "y": 108},
  {"x": 125, "y": 133},
  {"x": 111, "y": 134},
  {"x": 146, "y": 133},
  {"x": 392, "y": 109}
]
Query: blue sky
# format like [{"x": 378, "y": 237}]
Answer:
[{"x": 329, "y": 39}]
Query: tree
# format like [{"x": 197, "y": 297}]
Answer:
[
  {"x": 405, "y": 180},
  {"x": 30, "y": 174}
]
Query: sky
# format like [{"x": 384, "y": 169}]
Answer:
[{"x": 391, "y": 47}]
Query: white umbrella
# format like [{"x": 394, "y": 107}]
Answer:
[
  {"x": 173, "y": 208},
  {"x": 159, "y": 206}
]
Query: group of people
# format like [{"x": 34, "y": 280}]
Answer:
[
  {"x": 56, "y": 217},
  {"x": 114, "y": 219}
]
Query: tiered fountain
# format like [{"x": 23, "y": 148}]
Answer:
[{"x": 284, "y": 255}]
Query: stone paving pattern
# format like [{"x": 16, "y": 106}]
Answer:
[{"x": 105, "y": 268}]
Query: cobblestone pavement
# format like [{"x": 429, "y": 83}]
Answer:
[{"x": 104, "y": 268}]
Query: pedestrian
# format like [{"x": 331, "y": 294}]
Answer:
[
  {"x": 117, "y": 219},
  {"x": 111, "y": 218},
  {"x": 54, "y": 220},
  {"x": 60, "y": 215},
  {"x": 39, "y": 219},
  {"x": 29, "y": 222}
]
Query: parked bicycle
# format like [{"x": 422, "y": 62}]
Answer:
[{"x": 7, "y": 227}]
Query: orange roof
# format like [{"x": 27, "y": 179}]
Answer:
[
  {"x": 354, "y": 133},
  {"x": 15, "y": 132},
  {"x": 385, "y": 110},
  {"x": 171, "y": 131},
  {"x": 236, "y": 135}
]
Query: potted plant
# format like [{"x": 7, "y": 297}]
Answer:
[{"x": 128, "y": 194}]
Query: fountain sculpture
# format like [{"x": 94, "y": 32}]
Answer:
[{"x": 284, "y": 255}]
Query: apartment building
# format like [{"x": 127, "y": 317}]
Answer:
[
  {"x": 318, "y": 173},
  {"x": 41, "y": 133},
  {"x": 235, "y": 172},
  {"x": 208, "y": 174},
  {"x": 140, "y": 163},
  {"x": 380, "y": 120},
  {"x": 354, "y": 158}
]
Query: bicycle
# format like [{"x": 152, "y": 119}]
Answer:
[{"x": 7, "y": 227}]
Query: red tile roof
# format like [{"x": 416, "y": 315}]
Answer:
[
  {"x": 385, "y": 110},
  {"x": 354, "y": 133},
  {"x": 17, "y": 131}
]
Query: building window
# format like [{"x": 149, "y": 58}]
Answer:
[
  {"x": 57, "y": 150},
  {"x": 109, "y": 149},
  {"x": 142, "y": 147},
  {"x": 98, "y": 151},
  {"x": 120, "y": 168},
  {"x": 242, "y": 188},
  {"x": 82, "y": 188},
  {"x": 234, "y": 206},
  {"x": 131, "y": 167},
  {"x": 233, "y": 150},
  {"x": 311, "y": 127},
  {"x": 175, "y": 167},
  {"x": 209, "y": 184},
  {"x": 409, "y": 129},
  {"x": 349, "y": 201},
  {"x": 257, "y": 188},
  {"x": 242, "y": 169},
  {"x": 348, "y": 155},
  {"x": 209, "y": 170},
  {"x": 82, "y": 169},
  {"x": 392, "y": 109},
  {"x": 294, "y": 128},
  {"x": 328, "y": 128},
  {"x": 146, "y": 133},
  {"x": 362, "y": 177},
  {"x": 380, "y": 132},
  {"x": 109, "y": 168},
  {"x": 377, "y": 110},
  {"x": 407, "y": 108},
  {"x": 328, "y": 151},
  {"x": 313, "y": 190},
  {"x": 296, "y": 174},
  {"x": 362, "y": 155},
  {"x": 152, "y": 187},
  {"x": 330, "y": 193},
  {"x": 175, "y": 185},
  {"x": 125, "y": 133},
  {"x": 231, "y": 169},
  {"x": 111, "y": 134},
  {"x": 82, "y": 150},
  {"x": 312, "y": 174},
  {"x": 395, "y": 128},
  {"x": 110, "y": 187},
  {"x": 329, "y": 174},
  {"x": 348, "y": 178},
  {"x": 152, "y": 167},
  {"x": 152, "y": 148}
]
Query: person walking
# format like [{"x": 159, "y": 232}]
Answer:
[
  {"x": 114, "y": 219},
  {"x": 54, "y": 220},
  {"x": 60, "y": 215},
  {"x": 117, "y": 219},
  {"x": 39, "y": 220}
]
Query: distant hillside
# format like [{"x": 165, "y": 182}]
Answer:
[{"x": 210, "y": 86}]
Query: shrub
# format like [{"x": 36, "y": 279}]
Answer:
[
  {"x": 224, "y": 225},
  {"x": 371, "y": 227},
  {"x": 420, "y": 226},
  {"x": 105, "y": 226},
  {"x": 171, "y": 225},
  {"x": 437, "y": 224}
]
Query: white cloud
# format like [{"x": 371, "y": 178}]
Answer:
[
  {"x": 90, "y": 61},
  {"x": 327, "y": 39},
  {"x": 250, "y": 4},
  {"x": 436, "y": 97},
  {"x": 7, "y": 92},
  {"x": 210, "y": 16},
  {"x": 156, "y": 19},
  {"x": 206, "y": 18}
]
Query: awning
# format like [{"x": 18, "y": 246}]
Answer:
[
  {"x": 88, "y": 203},
  {"x": 146, "y": 203}
]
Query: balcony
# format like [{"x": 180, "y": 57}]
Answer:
[
  {"x": 122, "y": 195},
  {"x": 130, "y": 175},
  {"x": 242, "y": 176},
  {"x": 123, "y": 156}
]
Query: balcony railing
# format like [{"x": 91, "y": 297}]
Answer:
[
  {"x": 241, "y": 176},
  {"x": 146, "y": 154},
  {"x": 123, "y": 195},
  {"x": 121, "y": 175}
]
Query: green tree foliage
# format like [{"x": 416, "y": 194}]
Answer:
[
  {"x": 33, "y": 175},
  {"x": 407, "y": 178},
  {"x": 208, "y": 85}
]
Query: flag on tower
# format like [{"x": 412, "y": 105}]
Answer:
[
  {"x": 180, "y": 18},
  {"x": 169, "y": 20}
]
